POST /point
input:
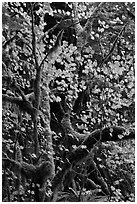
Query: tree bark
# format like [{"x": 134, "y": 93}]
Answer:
[{"x": 82, "y": 151}]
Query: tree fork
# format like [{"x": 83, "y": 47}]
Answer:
[{"x": 79, "y": 154}]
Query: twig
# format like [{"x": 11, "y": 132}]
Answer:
[
  {"x": 38, "y": 70},
  {"x": 9, "y": 41},
  {"x": 33, "y": 38},
  {"x": 113, "y": 46},
  {"x": 55, "y": 47}
]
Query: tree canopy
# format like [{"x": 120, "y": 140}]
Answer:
[{"x": 68, "y": 92}]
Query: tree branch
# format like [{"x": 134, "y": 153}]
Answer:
[
  {"x": 7, "y": 98},
  {"x": 33, "y": 37},
  {"x": 113, "y": 46},
  {"x": 38, "y": 70},
  {"x": 82, "y": 151},
  {"x": 37, "y": 81},
  {"x": 83, "y": 33},
  {"x": 52, "y": 52},
  {"x": 107, "y": 133},
  {"x": 9, "y": 41},
  {"x": 24, "y": 106},
  {"x": 37, "y": 173}
]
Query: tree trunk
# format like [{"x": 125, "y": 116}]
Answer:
[{"x": 46, "y": 143}]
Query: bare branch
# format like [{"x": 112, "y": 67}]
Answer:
[
  {"x": 33, "y": 38},
  {"x": 9, "y": 41},
  {"x": 24, "y": 106},
  {"x": 114, "y": 44},
  {"x": 54, "y": 49},
  {"x": 83, "y": 33}
]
